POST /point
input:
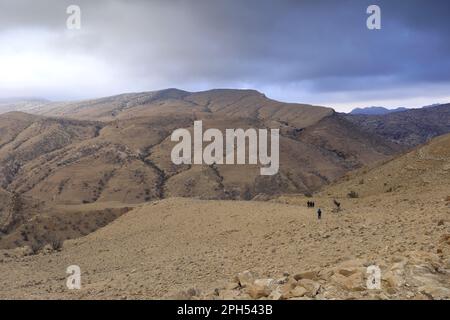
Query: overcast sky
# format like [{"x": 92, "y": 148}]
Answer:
[{"x": 317, "y": 52}]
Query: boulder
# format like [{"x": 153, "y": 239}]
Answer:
[
  {"x": 311, "y": 286},
  {"x": 246, "y": 278},
  {"x": 298, "y": 291},
  {"x": 261, "y": 288},
  {"x": 285, "y": 289},
  {"x": 353, "y": 282}
]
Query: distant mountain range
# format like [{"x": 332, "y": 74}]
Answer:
[
  {"x": 376, "y": 110},
  {"x": 21, "y": 104},
  {"x": 382, "y": 110},
  {"x": 410, "y": 127}
]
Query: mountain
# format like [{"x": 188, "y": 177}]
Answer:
[
  {"x": 123, "y": 152},
  {"x": 409, "y": 128},
  {"x": 22, "y": 104},
  {"x": 375, "y": 110}
]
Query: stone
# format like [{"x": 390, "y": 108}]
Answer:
[
  {"x": 229, "y": 294},
  {"x": 22, "y": 251},
  {"x": 347, "y": 271},
  {"x": 47, "y": 249},
  {"x": 232, "y": 285},
  {"x": 447, "y": 264},
  {"x": 437, "y": 293},
  {"x": 261, "y": 288},
  {"x": 257, "y": 292},
  {"x": 311, "y": 286},
  {"x": 354, "y": 282},
  {"x": 311, "y": 275},
  {"x": 246, "y": 278},
  {"x": 393, "y": 280},
  {"x": 276, "y": 294},
  {"x": 193, "y": 292},
  {"x": 298, "y": 291},
  {"x": 285, "y": 289}
]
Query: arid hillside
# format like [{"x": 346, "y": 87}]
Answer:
[
  {"x": 410, "y": 128},
  {"x": 423, "y": 170},
  {"x": 118, "y": 148}
]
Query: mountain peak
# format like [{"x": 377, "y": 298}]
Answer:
[{"x": 376, "y": 110}]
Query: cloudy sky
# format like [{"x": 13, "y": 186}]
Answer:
[{"x": 317, "y": 52}]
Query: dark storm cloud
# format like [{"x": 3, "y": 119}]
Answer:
[{"x": 311, "y": 51}]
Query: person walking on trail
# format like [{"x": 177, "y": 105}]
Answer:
[{"x": 319, "y": 214}]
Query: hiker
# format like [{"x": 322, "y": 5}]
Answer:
[
  {"x": 313, "y": 204},
  {"x": 319, "y": 214}
]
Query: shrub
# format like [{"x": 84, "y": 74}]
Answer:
[
  {"x": 35, "y": 247},
  {"x": 352, "y": 194},
  {"x": 56, "y": 244}
]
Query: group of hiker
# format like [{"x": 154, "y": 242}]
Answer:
[{"x": 311, "y": 204}]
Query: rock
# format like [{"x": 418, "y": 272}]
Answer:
[
  {"x": 285, "y": 289},
  {"x": 229, "y": 294},
  {"x": 399, "y": 265},
  {"x": 393, "y": 280},
  {"x": 22, "y": 251},
  {"x": 193, "y": 292},
  {"x": 261, "y": 288},
  {"x": 311, "y": 286},
  {"x": 447, "y": 264},
  {"x": 257, "y": 292},
  {"x": 298, "y": 291},
  {"x": 346, "y": 272},
  {"x": 437, "y": 293},
  {"x": 47, "y": 249},
  {"x": 445, "y": 238},
  {"x": 354, "y": 282},
  {"x": 276, "y": 294},
  {"x": 311, "y": 275},
  {"x": 232, "y": 285},
  {"x": 246, "y": 278}
]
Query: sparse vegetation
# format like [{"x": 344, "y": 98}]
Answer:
[
  {"x": 35, "y": 247},
  {"x": 56, "y": 244},
  {"x": 353, "y": 194}
]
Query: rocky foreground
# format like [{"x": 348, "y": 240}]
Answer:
[{"x": 416, "y": 275}]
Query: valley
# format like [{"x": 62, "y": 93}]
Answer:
[{"x": 92, "y": 184}]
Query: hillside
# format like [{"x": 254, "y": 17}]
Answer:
[
  {"x": 410, "y": 128},
  {"x": 422, "y": 170}
]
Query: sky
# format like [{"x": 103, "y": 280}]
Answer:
[{"x": 311, "y": 51}]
